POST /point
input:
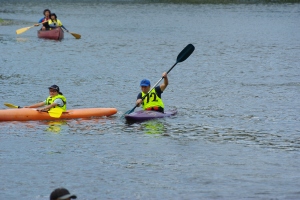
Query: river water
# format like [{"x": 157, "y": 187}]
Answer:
[{"x": 236, "y": 134}]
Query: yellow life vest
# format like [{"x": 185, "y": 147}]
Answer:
[
  {"x": 57, "y": 22},
  {"x": 152, "y": 100},
  {"x": 50, "y": 100}
]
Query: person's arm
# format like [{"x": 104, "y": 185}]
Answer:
[
  {"x": 139, "y": 100},
  {"x": 40, "y": 21},
  {"x": 165, "y": 83},
  {"x": 46, "y": 108},
  {"x": 57, "y": 102},
  {"x": 35, "y": 105},
  {"x": 61, "y": 25},
  {"x": 65, "y": 28}
]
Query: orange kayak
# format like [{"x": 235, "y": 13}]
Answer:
[{"x": 29, "y": 114}]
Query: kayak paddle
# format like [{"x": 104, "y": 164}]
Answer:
[
  {"x": 182, "y": 56},
  {"x": 76, "y": 35},
  {"x": 11, "y": 105},
  {"x": 22, "y": 30},
  {"x": 54, "y": 112}
]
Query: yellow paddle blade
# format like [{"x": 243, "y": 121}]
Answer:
[
  {"x": 22, "y": 30},
  {"x": 77, "y": 36},
  {"x": 11, "y": 105},
  {"x": 55, "y": 112}
]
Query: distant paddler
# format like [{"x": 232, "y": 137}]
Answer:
[
  {"x": 55, "y": 100},
  {"x": 54, "y": 22},
  {"x": 153, "y": 99},
  {"x": 44, "y": 20}
]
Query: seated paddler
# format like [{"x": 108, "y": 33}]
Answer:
[
  {"x": 56, "y": 99},
  {"x": 152, "y": 101},
  {"x": 54, "y": 22}
]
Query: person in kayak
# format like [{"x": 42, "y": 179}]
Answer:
[
  {"x": 153, "y": 100},
  {"x": 55, "y": 100},
  {"x": 44, "y": 20},
  {"x": 54, "y": 22}
]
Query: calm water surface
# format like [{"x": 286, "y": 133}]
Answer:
[{"x": 236, "y": 134}]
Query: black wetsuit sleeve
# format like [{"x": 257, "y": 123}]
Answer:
[
  {"x": 139, "y": 96},
  {"x": 158, "y": 91}
]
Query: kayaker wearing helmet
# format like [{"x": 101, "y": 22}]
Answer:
[
  {"x": 153, "y": 100},
  {"x": 55, "y": 100},
  {"x": 44, "y": 20},
  {"x": 54, "y": 22}
]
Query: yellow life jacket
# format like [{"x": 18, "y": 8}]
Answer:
[
  {"x": 152, "y": 100},
  {"x": 50, "y": 100},
  {"x": 57, "y": 22}
]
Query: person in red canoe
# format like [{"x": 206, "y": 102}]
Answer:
[
  {"x": 153, "y": 100},
  {"x": 44, "y": 20},
  {"x": 54, "y": 22},
  {"x": 55, "y": 100}
]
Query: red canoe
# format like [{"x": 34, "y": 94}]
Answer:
[{"x": 53, "y": 34}]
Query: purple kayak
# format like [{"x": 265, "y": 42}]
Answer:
[{"x": 143, "y": 115}]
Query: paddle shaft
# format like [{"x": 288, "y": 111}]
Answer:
[
  {"x": 76, "y": 35},
  {"x": 22, "y": 30},
  {"x": 182, "y": 56},
  {"x": 158, "y": 82}
]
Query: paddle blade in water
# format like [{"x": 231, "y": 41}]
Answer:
[
  {"x": 22, "y": 30},
  {"x": 55, "y": 112},
  {"x": 11, "y": 105},
  {"x": 185, "y": 53},
  {"x": 77, "y": 36},
  {"x": 128, "y": 112}
]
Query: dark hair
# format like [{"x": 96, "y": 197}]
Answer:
[
  {"x": 46, "y": 11},
  {"x": 53, "y": 14},
  {"x": 61, "y": 193},
  {"x": 55, "y": 87}
]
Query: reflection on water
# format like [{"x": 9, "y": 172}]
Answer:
[
  {"x": 6, "y": 22},
  {"x": 22, "y": 39},
  {"x": 55, "y": 126},
  {"x": 153, "y": 127}
]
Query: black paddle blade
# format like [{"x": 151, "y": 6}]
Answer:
[{"x": 185, "y": 53}]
